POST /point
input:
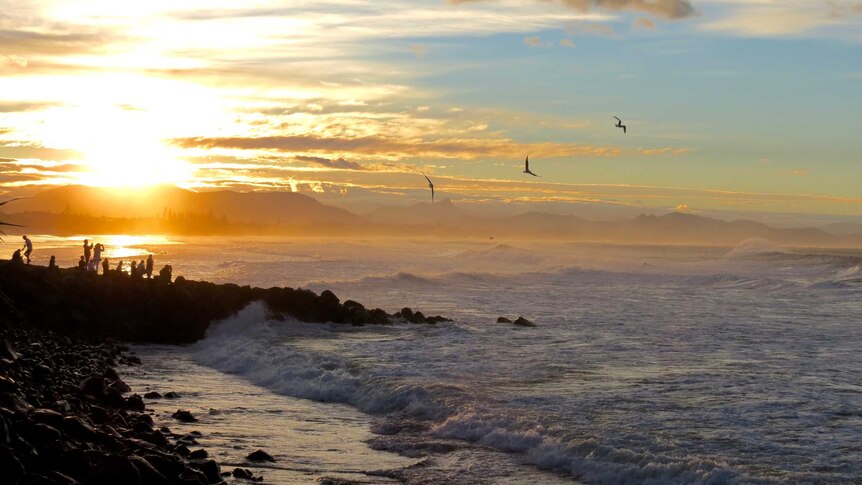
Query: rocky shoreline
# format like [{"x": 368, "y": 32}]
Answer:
[{"x": 66, "y": 416}]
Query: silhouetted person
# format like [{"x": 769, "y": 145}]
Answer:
[
  {"x": 165, "y": 274},
  {"x": 97, "y": 254},
  {"x": 16, "y": 257},
  {"x": 87, "y": 249},
  {"x": 142, "y": 270},
  {"x": 150, "y": 264},
  {"x": 82, "y": 264},
  {"x": 52, "y": 263},
  {"x": 105, "y": 267},
  {"x": 28, "y": 247},
  {"x": 120, "y": 266},
  {"x": 134, "y": 271}
]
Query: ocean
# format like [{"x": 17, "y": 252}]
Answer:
[{"x": 646, "y": 365}]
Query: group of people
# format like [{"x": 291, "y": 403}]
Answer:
[{"x": 92, "y": 259}]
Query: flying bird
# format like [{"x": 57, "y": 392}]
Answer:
[
  {"x": 527, "y": 167},
  {"x": 620, "y": 124},
  {"x": 430, "y": 186}
]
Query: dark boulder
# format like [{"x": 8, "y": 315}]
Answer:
[
  {"x": 246, "y": 474},
  {"x": 199, "y": 454},
  {"x": 152, "y": 395},
  {"x": 114, "y": 470},
  {"x": 78, "y": 428},
  {"x": 503, "y": 320},
  {"x": 135, "y": 403},
  {"x": 94, "y": 386},
  {"x": 184, "y": 416},
  {"x": 11, "y": 469},
  {"x": 172, "y": 395},
  {"x": 149, "y": 473},
  {"x": 166, "y": 464},
  {"x": 380, "y": 317},
  {"x": 260, "y": 455},
  {"x": 74, "y": 463},
  {"x": 7, "y": 352},
  {"x": 523, "y": 322},
  {"x": 40, "y": 435},
  {"x": 328, "y": 298},
  {"x": 406, "y": 313},
  {"x": 47, "y": 416},
  {"x": 210, "y": 469}
]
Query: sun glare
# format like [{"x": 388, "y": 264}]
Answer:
[{"x": 118, "y": 147}]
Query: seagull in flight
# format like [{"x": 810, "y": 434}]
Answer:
[
  {"x": 620, "y": 124},
  {"x": 430, "y": 186},
  {"x": 527, "y": 167}
]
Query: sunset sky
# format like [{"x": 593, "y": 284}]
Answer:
[{"x": 731, "y": 105}]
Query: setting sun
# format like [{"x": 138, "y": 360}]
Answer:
[{"x": 118, "y": 147}]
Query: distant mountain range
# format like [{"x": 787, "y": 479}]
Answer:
[
  {"x": 77, "y": 209},
  {"x": 247, "y": 207}
]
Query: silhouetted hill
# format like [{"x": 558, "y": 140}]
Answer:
[
  {"x": 843, "y": 228},
  {"x": 426, "y": 213},
  {"x": 247, "y": 207}
]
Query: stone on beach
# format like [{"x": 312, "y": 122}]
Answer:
[
  {"x": 523, "y": 322},
  {"x": 260, "y": 455},
  {"x": 184, "y": 416}
]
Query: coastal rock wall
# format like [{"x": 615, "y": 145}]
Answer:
[{"x": 157, "y": 311}]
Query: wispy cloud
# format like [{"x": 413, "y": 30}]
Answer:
[
  {"x": 379, "y": 145},
  {"x": 766, "y": 18},
  {"x": 652, "y": 152},
  {"x": 339, "y": 163},
  {"x": 669, "y": 9}
]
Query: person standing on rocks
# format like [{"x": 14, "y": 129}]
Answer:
[
  {"x": 82, "y": 265},
  {"x": 87, "y": 249},
  {"x": 106, "y": 267},
  {"x": 97, "y": 255},
  {"x": 150, "y": 264},
  {"x": 28, "y": 248}
]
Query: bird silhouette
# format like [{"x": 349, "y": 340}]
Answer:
[
  {"x": 430, "y": 185},
  {"x": 527, "y": 167},
  {"x": 620, "y": 124}
]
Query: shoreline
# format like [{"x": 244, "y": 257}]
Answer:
[{"x": 66, "y": 415}]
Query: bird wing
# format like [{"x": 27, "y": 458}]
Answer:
[
  {"x": 618, "y": 119},
  {"x": 426, "y": 178},
  {"x": 624, "y": 129},
  {"x": 10, "y": 200},
  {"x": 527, "y": 163}
]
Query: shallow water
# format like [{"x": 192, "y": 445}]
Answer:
[{"x": 647, "y": 365}]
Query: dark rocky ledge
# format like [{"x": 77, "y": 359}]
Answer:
[{"x": 156, "y": 310}]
